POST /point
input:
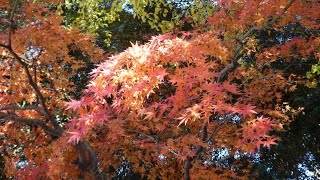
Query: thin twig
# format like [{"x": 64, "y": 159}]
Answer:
[{"x": 213, "y": 132}]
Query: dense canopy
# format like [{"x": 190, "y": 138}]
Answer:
[{"x": 215, "y": 85}]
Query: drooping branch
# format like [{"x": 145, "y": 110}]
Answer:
[
  {"x": 239, "y": 47},
  {"x": 33, "y": 122}
]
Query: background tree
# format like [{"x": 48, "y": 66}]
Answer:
[
  {"x": 96, "y": 16},
  {"x": 37, "y": 61}
]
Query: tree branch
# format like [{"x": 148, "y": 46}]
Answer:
[
  {"x": 214, "y": 131},
  {"x": 36, "y": 89},
  {"x": 200, "y": 149},
  {"x": 11, "y": 22},
  {"x": 87, "y": 158},
  {"x": 285, "y": 9},
  {"x": 25, "y": 66},
  {"x": 32, "y": 107},
  {"x": 203, "y": 137},
  {"x": 34, "y": 122},
  {"x": 88, "y": 161},
  {"x": 187, "y": 163},
  {"x": 143, "y": 134},
  {"x": 4, "y": 45},
  {"x": 239, "y": 47},
  {"x": 186, "y": 168},
  {"x": 216, "y": 128}
]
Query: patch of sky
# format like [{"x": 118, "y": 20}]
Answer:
[
  {"x": 124, "y": 170},
  {"x": 31, "y": 53},
  {"x": 235, "y": 119},
  {"x": 127, "y": 7},
  {"x": 21, "y": 164},
  {"x": 309, "y": 168}
]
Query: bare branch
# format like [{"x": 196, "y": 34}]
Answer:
[{"x": 34, "y": 122}]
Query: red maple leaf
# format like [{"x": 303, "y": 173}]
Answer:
[
  {"x": 73, "y": 104},
  {"x": 75, "y": 137},
  {"x": 269, "y": 142},
  {"x": 160, "y": 74},
  {"x": 231, "y": 88},
  {"x": 107, "y": 91},
  {"x": 247, "y": 110},
  {"x": 149, "y": 115}
]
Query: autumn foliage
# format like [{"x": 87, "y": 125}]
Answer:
[{"x": 162, "y": 107}]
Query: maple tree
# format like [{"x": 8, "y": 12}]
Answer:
[
  {"x": 38, "y": 58},
  {"x": 161, "y": 106}
]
